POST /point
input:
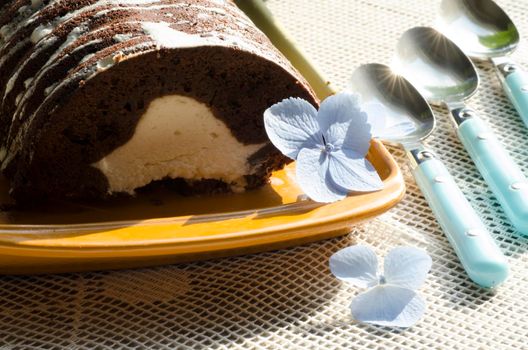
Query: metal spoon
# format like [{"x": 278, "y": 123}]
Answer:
[
  {"x": 443, "y": 74},
  {"x": 483, "y": 30},
  {"x": 476, "y": 249}
]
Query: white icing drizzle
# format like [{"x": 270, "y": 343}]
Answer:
[
  {"x": 22, "y": 9},
  {"x": 49, "y": 89},
  {"x": 165, "y": 36},
  {"x": 119, "y": 38},
  {"x": 217, "y": 10},
  {"x": 82, "y": 29},
  {"x": 107, "y": 62},
  {"x": 4, "y": 58},
  {"x": 45, "y": 29},
  {"x": 32, "y": 13},
  {"x": 50, "y": 64},
  {"x": 24, "y": 12},
  {"x": 87, "y": 57},
  {"x": 27, "y": 82},
  {"x": 41, "y": 31},
  {"x": 10, "y": 84},
  {"x": 73, "y": 36},
  {"x": 4, "y": 31},
  {"x": 161, "y": 7},
  {"x": 19, "y": 97}
]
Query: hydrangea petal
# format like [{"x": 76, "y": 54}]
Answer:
[
  {"x": 337, "y": 113},
  {"x": 291, "y": 125},
  {"x": 357, "y": 265},
  {"x": 358, "y": 135},
  {"x": 352, "y": 172},
  {"x": 407, "y": 267},
  {"x": 376, "y": 117},
  {"x": 387, "y": 305},
  {"x": 312, "y": 165}
]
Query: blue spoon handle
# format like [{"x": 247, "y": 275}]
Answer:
[
  {"x": 497, "y": 167},
  {"x": 479, "y": 254},
  {"x": 515, "y": 83}
]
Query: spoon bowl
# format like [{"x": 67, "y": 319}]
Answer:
[
  {"x": 483, "y": 30},
  {"x": 481, "y": 27},
  {"x": 435, "y": 65},
  {"x": 377, "y": 84}
]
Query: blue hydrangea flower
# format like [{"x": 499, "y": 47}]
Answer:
[
  {"x": 391, "y": 298},
  {"x": 329, "y": 146}
]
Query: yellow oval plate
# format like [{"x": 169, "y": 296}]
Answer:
[{"x": 158, "y": 228}]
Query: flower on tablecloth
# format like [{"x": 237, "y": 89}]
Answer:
[
  {"x": 329, "y": 146},
  {"x": 391, "y": 298}
]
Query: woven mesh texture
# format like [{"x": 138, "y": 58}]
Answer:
[{"x": 288, "y": 298}]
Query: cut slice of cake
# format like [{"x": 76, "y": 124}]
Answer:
[{"x": 106, "y": 97}]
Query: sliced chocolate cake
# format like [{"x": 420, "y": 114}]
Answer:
[{"x": 99, "y": 97}]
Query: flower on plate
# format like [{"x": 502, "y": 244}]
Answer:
[
  {"x": 391, "y": 298},
  {"x": 329, "y": 146}
]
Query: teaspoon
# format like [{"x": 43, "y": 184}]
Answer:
[{"x": 403, "y": 104}]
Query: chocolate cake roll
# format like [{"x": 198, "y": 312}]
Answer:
[{"x": 99, "y": 97}]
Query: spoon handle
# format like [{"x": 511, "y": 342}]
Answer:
[
  {"x": 515, "y": 83},
  {"x": 499, "y": 170},
  {"x": 479, "y": 254}
]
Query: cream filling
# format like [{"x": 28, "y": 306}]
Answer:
[{"x": 177, "y": 137}]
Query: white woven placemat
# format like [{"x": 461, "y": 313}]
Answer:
[{"x": 288, "y": 299}]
